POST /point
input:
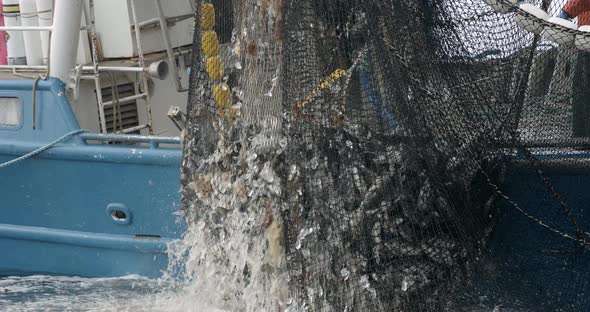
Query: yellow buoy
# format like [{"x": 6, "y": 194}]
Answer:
[
  {"x": 207, "y": 18},
  {"x": 215, "y": 67},
  {"x": 210, "y": 43},
  {"x": 222, "y": 95}
]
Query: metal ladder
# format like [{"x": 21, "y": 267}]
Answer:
[
  {"x": 141, "y": 84},
  {"x": 141, "y": 91},
  {"x": 162, "y": 21}
]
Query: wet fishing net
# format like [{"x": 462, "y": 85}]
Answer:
[{"x": 389, "y": 155}]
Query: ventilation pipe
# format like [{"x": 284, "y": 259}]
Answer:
[
  {"x": 45, "y": 13},
  {"x": 32, "y": 39},
  {"x": 15, "y": 43},
  {"x": 3, "y": 52},
  {"x": 65, "y": 37}
]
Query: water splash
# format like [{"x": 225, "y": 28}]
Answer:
[{"x": 55, "y": 293}]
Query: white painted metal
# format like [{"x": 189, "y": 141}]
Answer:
[
  {"x": 114, "y": 23},
  {"x": 89, "y": 12},
  {"x": 133, "y": 129},
  {"x": 24, "y": 28},
  {"x": 163, "y": 95},
  {"x": 156, "y": 70},
  {"x": 143, "y": 76},
  {"x": 168, "y": 45},
  {"x": 24, "y": 67},
  {"x": 126, "y": 100},
  {"x": 45, "y": 14},
  {"x": 63, "y": 63},
  {"x": 84, "y": 53},
  {"x": 15, "y": 43},
  {"x": 29, "y": 18},
  {"x": 66, "y": 34}
]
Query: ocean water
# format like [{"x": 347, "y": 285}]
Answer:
[
  {"x": 194, "y": 281},
  {"x": 129, "y": 293}
]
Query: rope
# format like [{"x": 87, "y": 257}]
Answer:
[
  {"x": 42, "y": 149},
  {"x": 42, "y": 77},
  {"x": 35, "y": 101},
  {"x": 117, "y": 117},
  {"x": 27, "y": 15},
  {"x": 35, "y": 14},
  {"x": 332, "y": 79}
]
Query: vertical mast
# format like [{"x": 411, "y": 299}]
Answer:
[{"x": 65, "y": 37}]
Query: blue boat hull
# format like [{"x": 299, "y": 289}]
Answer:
[
  {"x": 57, "y": 252},
  {"x": 83, "y": 207},
  {"x": 531, "y": 266}
]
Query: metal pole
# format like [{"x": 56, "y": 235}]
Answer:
[
  {"x": 65, "y": 37},
  {"x": 94, "y": 68},
  {"x": 26, "y": 28},
  {"x": 29, "y": 18},
  {"x": 169, "y": 52},
  {"x": 45, "y": 13},
  {"x": 24, "y": 67},
  {"x": 118, "y": 69},
  {"x": 125, "y": 100},
  {"x": 154, "y": 22},
  {"x": 106, "y": 69},
  {"x": 142, "y": 64}
]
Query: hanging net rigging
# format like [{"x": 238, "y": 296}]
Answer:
[{"x": 390, "y": 155}]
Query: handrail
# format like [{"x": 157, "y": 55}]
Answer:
[
  {"x": 154, "y": 71},
  {"x": 153, "y": 140},
  {"x": 42, "y": 149},
  {"x": 25, "y": 67},
  {"x": 169, "y": 52},
  {"x": 154, "y": 22},
  {"x": 26, "y": 28},
  {"x": 32, "y": 28}
]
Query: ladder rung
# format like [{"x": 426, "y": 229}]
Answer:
[
  {"x": 155, "y": 22},
  {"x": 125, "y": 117},
  {"x": 127, "y": 99},
  {"x": 147, "y": 23},
  {"x": 133, "y": 129},
  {"x": 123, "y": 109}
]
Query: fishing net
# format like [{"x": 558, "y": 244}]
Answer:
[{"x": 388, "y": 155}]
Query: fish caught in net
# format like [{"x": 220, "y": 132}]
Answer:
[{"x": 389, "y": 155}]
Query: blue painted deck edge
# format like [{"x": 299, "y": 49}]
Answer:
[
  {"x": 85, "y": 239},
  {"x": 97, "y": 153}
]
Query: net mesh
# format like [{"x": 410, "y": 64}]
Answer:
[{"x": 387, "y": 155}]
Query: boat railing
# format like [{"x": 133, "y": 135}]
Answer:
[
  {"x": 156, "y": 70},
  {"x": 152, "y": 141}
]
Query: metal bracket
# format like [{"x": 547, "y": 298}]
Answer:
[
  {"x": 178, "y": 117},
  {"x": 76, "y": 86}
]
